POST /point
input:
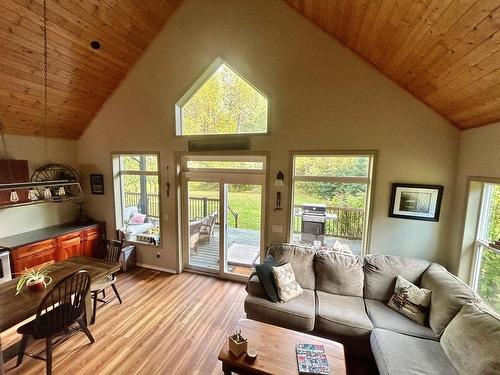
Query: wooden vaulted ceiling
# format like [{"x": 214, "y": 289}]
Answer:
[
  {"x": 445, "y": 52},
  {"x": 80, "y": 78}
]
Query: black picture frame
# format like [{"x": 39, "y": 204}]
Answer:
[
  {"x": 97, "y": 184},
  {"x": 416, "y": 201}
]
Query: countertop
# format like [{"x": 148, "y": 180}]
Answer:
[{"x": 26, "y": 238}]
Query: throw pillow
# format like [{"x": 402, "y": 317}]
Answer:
[
  {"x": 137, "y": 218},
  {"x": 288, "y": 287},
  {"x": 266, "y": 277},
  {"x": 410, "y": 300}
]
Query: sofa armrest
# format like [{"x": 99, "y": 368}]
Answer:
[{"x": 255, "y": 288}]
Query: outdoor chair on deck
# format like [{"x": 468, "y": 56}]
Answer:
[
  {"x": 62, "y": 307},
  {"x": 112, "y": 253},
  {"x": 207, "y": 226}
]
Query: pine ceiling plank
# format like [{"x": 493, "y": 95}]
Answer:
[
  {"x": 398, "y": 42},
  {"x": 445, "y": 52},
  {"x": 394, "y": 31},
  {"x": 429, "y": 15},
  {"x": 357, "y": 18},
  {"x": 473, "y": 29},
  {"x": 80, "y": 79},
  {"x": 425, "y": 54}
]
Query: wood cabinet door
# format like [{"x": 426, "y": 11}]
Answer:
[
  {"x": 34, "y": 255},
  {"x": 68, "y": 246},
  {"x": 92, "y": 241}
]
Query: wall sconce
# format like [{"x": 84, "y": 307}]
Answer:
[
  {"x": 279, "y": 179},
  {"x": 278, "y": 182}
]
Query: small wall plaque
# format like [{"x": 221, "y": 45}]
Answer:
[{"x": 97, "y": 184}]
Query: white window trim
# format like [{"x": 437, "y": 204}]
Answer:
[
  {"x": 118, "y": 193},
  {"x": 198, "y": 84},
  {"x": 372, "y": 155},
  {"x": 480, "y": 242}
]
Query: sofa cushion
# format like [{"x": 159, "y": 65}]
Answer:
[
  {"x": 448, "y": 296},
  {"x": 343, "y": 318},
  {"x": 345, "y": 315},
  {"x": 401, "y": 354},
  {"x": 410, "y": 300},
  {"x": 472, "y": 340},
  {"x": 296, "y": 314},
  {"x": 384, "y": 317},
  {"x": 381, "y": 272},
  {"x": 338, "y": 273},
  {"x": 266, "y": 277},
  {"x": 301, "y": 258},
  {"x": 254, "y": 287}
]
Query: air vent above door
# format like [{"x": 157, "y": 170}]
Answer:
[{"x": 219, "y": 144}]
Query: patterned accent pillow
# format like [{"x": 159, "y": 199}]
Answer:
[
  {"x": 410, "y": 300},
  {"x": 288, "y": 287}
]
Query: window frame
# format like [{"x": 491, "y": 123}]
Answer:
[
  {"x": 118, "y": 194},
  {"x": 481, "y": 242},
  {"x": 204, "y": 77},
  {"x": 371, "y": 154}
]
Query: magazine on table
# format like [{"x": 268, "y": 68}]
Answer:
[{"x": 311, "y": 359}]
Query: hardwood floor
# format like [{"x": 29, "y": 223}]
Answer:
[{"x": 168, "y": 324}]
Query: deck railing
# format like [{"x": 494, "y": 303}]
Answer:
[
  {"x": 200, "y": 207},
  {"x": 349, "y": 223},
  {"x": 132, "y": 199}
]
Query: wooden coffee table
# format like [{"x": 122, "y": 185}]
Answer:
[{"x": 276, "y": 348}]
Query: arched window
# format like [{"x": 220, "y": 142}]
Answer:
[{"x": 221, "y": 102}]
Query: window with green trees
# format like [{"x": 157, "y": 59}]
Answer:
[
  {"x": 222, "y": 102},
  {"x": 339, "y": 185},
  {"x": 137, "y": 196},
  {"x": 487, "y": 270}
]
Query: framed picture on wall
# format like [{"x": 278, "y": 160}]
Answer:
[
  {"x": 416, "y": 202},
  {"x": 97, "y": 184}
]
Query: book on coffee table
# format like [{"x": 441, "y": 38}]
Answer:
[{"x": 311, "y": 359}]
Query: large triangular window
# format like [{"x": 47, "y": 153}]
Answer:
[{"x": 222, "y": 102}]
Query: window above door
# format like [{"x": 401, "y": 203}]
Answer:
[{"x": 222, "y": 102}]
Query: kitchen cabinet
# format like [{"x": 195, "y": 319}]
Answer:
[{"x": 73, "y": 241}]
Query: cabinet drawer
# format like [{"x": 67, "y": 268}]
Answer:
[
  {"x": 35, "y": 260},
  {"x": 68, "y": 237},
  {"x": 92, "y": 232},
  {"x": 33, "y": 249}
]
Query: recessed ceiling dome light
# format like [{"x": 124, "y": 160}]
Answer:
[{"x": 95, "y": 44}]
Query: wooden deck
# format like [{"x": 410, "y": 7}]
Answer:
[{"x": 207, "y": 255}]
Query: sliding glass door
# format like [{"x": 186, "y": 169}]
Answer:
[{"x": 223, "y": 204}]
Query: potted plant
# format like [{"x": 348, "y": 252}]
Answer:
[
  {"x": 237, "y": 344},
  {"x": 35, "y": 279}
]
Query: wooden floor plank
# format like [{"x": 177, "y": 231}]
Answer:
[{"x": 167, "y": 324}]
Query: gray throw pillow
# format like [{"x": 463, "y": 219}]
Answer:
[{"x": 266, "y": 277}]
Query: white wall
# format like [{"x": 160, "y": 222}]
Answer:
[
  {"x": 479, "y": 157},
  {"x": 322, "y": 96},
  {"x": 16, "y": 220}
]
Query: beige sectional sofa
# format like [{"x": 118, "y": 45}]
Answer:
[{"x": 345, "y": 299}]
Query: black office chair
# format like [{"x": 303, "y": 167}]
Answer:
[
  {"x": 112, "y": 253},
  {"x": 62, "y": 307}
]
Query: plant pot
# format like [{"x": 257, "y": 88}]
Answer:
[
  {"x": 38, "y": 284},
  {"x": 237, "y": 348}
]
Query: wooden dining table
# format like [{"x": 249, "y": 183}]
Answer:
[{"x": 15, "y": 309}]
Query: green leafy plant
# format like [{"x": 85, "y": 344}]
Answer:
[{"x": 39, "y": 274}]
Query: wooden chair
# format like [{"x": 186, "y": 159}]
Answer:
[
  {"x": 62, "y": 307},
  {"x": 112, "y": 251},
  {"x": 207, "y": 225}
]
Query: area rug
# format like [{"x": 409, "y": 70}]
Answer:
[{"x": 242, "y": 255}]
